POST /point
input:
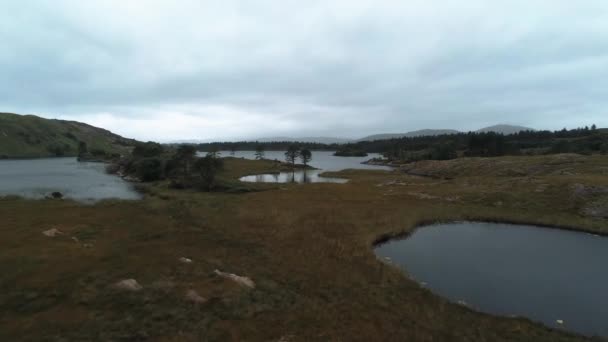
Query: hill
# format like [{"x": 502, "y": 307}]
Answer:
[
  {"x": 418, "y": 133},
  {"x": 30, "y": 136},
  {"x": 319, "y": 140},
  {"x": 504, "y": 129}
]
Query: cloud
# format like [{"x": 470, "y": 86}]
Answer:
[{"x": 228, "y": 69}]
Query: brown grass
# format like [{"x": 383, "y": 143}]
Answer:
[{"x": 307, "y": 247}]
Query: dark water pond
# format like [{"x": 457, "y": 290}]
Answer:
[
  {"x": 85, "y": 182},
  {"x": 547, "y": 275},
  {"x": 300, "y": 176},
  {"x": 322, "y": 160}
]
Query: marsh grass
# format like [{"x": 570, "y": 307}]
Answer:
[{"x": 307, "y": 247}]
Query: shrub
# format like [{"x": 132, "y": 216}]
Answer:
[{"x": 149, "y": 169}]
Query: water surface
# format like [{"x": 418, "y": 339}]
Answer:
[
  {"x": 298, "y": 176},
  {"x": 37, "y": 178},
  {"x": 321, "y": 160},
  {"x": 540, "y": 273}
]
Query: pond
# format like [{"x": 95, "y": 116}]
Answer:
[
  {"x": 548, "y": 275},
  {"x": 321, "y": 160},
  {"x": 81, "y": 181},
  {"x": 298, "y": 176}
]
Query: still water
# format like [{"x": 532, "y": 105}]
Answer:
[
  {"x": 85, "y": 182},
  {"x": 322, "y": 160},
  {"x": 300, "y": 176},
  {"x": 539, "y": 273}
]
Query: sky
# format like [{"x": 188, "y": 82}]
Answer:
[{"x": 237, "y": 69}]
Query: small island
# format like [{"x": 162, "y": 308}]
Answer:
[{"x": 348, "y": 152}]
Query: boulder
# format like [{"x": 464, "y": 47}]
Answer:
[
  {"x": 194, "y": 297},
  {"x": 185, "y": 260},
  {"x": 52, "y": 232},
  {"x": 128, "y": 285},
  {"x": 243, "y": 281}
]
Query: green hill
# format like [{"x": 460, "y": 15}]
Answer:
[{"x": 29, "y": 136}]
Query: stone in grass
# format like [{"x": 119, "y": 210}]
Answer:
[
  {"x": 243, "y": 281},
  {"x": 185, "y": 260},
  {"x": 194, "y": 297},
  {"x": 128, "y": 285},
  {"x": 52, "y": 232}
]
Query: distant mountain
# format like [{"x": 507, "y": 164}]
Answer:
[
  {"x": 29, "y": 136},
  {"x": 504, "y": 129},
  {"x": 321, "y": 140},
  {"x": 419, "y": 133}
]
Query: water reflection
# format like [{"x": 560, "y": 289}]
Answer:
[{"x": 296, "y": 176}]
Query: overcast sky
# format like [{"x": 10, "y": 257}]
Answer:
[{"x": 226, "y": 69}]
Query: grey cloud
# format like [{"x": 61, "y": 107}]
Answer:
[{"x": 342, "y": 68}]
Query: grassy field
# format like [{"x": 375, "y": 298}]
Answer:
[{"x": 308, "y": 248}]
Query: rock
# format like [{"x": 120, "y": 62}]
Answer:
[
  {"x": 185, "y": 260},
  {"x": 194, "y": 297},
  {"x": 243, "y": 281},
  {"x": 422, "y": 195},
  {"x": 581, "y": 190},
  {"x": 128, "y": 285},
  {"x": 597, "y": 210},
  {"x": 560, "y": 322},
  {"x": 52, "y": 232}
]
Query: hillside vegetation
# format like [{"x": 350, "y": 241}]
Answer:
[{"x": 29, "y": 136}]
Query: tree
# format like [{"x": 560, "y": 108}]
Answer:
[
  {"x": 207, "y": 168},
  {"x": 259, "y": 152},
  {"x": 214, "y": 152},
  {"x": 305, "y": 156},
  {"x": 593, "y": 127},
  {"x": 82, "y": 149},
  {"x": 443, "y": 151},
  {"x": 185, "y": 156},
  {"x": 147, "y": 150},
  {"x": 149, "y": 169},
  {"x": 232, "y": 150},
  {"x": 292, "y": 154}
]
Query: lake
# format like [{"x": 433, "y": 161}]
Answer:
[
  {"x": 539, "y": 273},
  {"x": 85, "y": 182},
  {"x": 322, "y": 160}
]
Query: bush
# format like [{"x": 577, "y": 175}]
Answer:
[
  {"x": 443, "y": 152},
  {"x": 149, "y": 169},
  {"x": 207, "y": 168}
]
